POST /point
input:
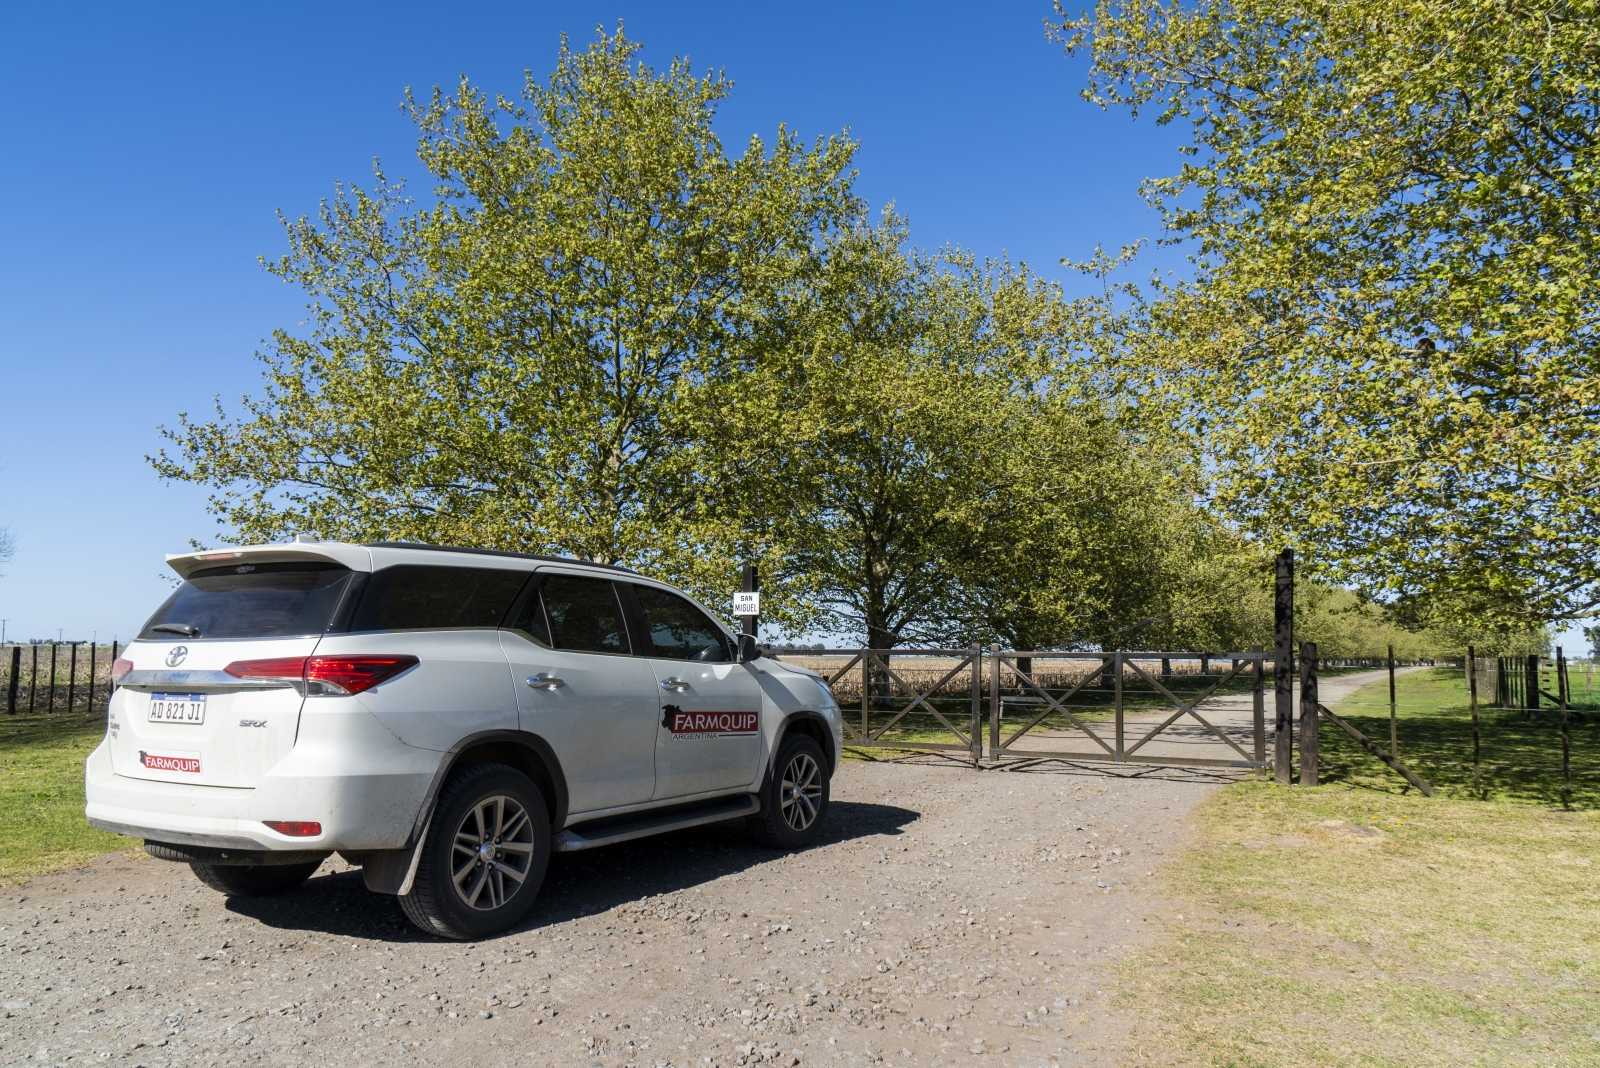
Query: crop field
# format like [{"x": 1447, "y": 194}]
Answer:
[{"x": 57, "y": 677}]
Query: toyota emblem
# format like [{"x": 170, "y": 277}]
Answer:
[{"x": 175, "y": 657}]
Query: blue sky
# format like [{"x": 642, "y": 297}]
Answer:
[{"x": 144, "y": 152}]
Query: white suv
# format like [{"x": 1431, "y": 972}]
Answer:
[{"x": 444, "y": 718}]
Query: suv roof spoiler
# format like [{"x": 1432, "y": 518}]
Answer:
[{"x": 354, "y": 557}]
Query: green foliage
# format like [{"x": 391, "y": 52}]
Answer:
[
  {"x": 518, "y": 364},
  {"x": 1389, "y": 349},
  {"x": 604, "y": 336}
]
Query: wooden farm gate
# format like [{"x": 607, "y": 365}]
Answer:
[{"x": 1161, "y": 708}]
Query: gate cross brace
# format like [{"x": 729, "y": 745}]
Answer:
[
  {"x": 1366, "y": 743},
  {"x": 920, "y": 698},
  {"x": 1190, "y": 708},
  {"x": 1053, "y": 705}
]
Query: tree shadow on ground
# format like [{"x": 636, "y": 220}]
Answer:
[
  {"x": 1520, "y": 755},
  {"x": 577, "y": 884}
]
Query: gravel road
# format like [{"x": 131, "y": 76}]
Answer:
[{"x": 949, "y": 916}]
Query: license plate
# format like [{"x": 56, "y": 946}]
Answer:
[{"x": 177, "y": 708}]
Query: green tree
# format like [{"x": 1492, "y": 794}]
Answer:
[
  {"x": 518, "y": 363},
  {"x": 940, "y": 473},
  {"x": 1389, "y": 347}
]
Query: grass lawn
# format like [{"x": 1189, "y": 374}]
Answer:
[
  {"x": 1521, "y": 754},
  {"x": 41, "y": 794},
  {"x": 1353, "y": 924}
]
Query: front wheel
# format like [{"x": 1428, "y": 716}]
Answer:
[
  {"x": 485, "y": 855},
  {"x": 795, "y": 797}
]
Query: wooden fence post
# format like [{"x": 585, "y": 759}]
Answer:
[
  {"x": 1530, "y": 683},
  {"x": 1283, "y": 667},
  {"x": 93, "y": 650},
  {"x": 1258, "y": 707},
  {"x": 1117, "y": 710},
  {"x": 1394, "y": 727},
  {"x": 994, "y": 705},
  {"x": 52, "y": 705},
  {"x": 72, "y": 675},
  {"x": 11, "y": 686},
  {"x": 1566, "y": 737},
  {"x": 112, "y": 686},
  {"x": 1472, "y": 700},
  {"x": 1309, "y": 749},
  {"x": 33, "y": 676},
  {"x": 975, "y": 739}
]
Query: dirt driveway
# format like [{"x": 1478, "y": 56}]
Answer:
[{"x": 950, "y": 916}]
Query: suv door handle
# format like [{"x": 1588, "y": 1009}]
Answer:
[
  {"x": 674, "y": 685},
  {"x": 545, "y": 681}
]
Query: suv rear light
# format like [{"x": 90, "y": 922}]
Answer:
[
  {"x": 119, "y": 670},
  {"x": 352, "y": 674},
  {"x": 295, "y": 828},
  {"x": 326, "y": 675}
]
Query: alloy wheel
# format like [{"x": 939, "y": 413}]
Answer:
[
  {"x": 801, "y": 795},
  {"x": 491, "y": 852}
]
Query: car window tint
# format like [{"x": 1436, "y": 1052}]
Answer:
[
  {"x": 584, "y": 615},
  {"x": 530, "y": 619},
  {"x": 251, "y": 601},
  {"x": 678, "y": 630},
  {"x": 418, "y": 597}
]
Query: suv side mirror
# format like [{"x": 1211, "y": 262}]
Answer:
[{"x": 748, "y": 649}]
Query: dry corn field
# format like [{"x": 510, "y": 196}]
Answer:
[{"x": 55, "y": 676}]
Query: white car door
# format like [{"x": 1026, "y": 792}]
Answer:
[
  {"x": 709, "y": 735},
  {"x": 580, "y": 688}
]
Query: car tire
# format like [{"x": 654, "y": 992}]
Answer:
[
  {"x": 794, "y": 799},
  {"x": 485, "y": 855},
  {"x": 264, "y": 880}
]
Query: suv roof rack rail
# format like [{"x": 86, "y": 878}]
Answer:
[{"x": 497, "y": 552}]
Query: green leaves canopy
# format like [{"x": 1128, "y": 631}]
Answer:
[
  {"x": 1390, "y": 347},
  {"x": 515, "y": 365}
]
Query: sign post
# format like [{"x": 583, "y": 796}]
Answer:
[
  {"x": 1283, "y": 666},
  {"x": 747, "y": 602}
]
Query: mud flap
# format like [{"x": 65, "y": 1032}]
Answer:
[{"x": 391, "y": 871}]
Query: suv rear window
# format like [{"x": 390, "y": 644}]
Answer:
[
  {"x": 251, "y": 601},
  {"x": 419, "y": 597}
]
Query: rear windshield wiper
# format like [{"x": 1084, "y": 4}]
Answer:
[{"x": 188, "y": 630}]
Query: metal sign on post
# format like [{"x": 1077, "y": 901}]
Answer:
[{"x": 747, "y": 602}]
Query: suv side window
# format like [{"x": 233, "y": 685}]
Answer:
[
  {"x": 584, "y": 614},
  {"x": 678, "y": 630},
  {"x": 420, "y": 597},
  {"x": 528, "y": 617}
]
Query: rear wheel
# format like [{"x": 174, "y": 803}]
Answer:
[
  {"x": 485, "y": 855},
  {"x": 253, "y": 881},
  {"x": 795, "y": 797}
]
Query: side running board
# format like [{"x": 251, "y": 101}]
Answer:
[{"x": 601, "y": 832}]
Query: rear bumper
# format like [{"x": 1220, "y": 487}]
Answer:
[{"x": 374, "y": 806}]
